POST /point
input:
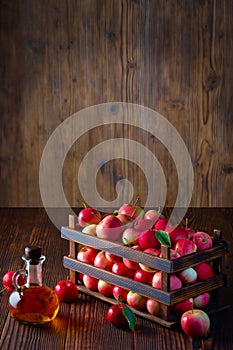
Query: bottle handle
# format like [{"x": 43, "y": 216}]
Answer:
[{"x": 22, "y": 274}]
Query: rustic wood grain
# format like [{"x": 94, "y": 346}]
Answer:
[
  {"x": 82, "y": 325},
  {"x": 60, "y": 57}
]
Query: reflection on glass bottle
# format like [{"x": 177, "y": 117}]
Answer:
[{"x": 34, "y": 303}]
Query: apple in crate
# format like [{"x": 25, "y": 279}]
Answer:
[
  {"x": 161, "y": 224},
  {"x": 175, "y": 282},
  {"x": 120, "y": 293},
  {"x": 109, "y": 228},
  {"x": 130, "y": 236},
  {"x": 90, "y": 282},
  {"x": 153, "y": 307},
  {"x": 144, "y": 224},
  {"x": 195, "y": 323},
  {"x": 136, "y": 300},
  {"x": 152, "y": 251},
  {"x": 147, "y": 239},
  {"x": 105, "y": 288},
  {"x": 143, "y": 276},
  {"x": 112, "y": 257},
  {"x": 152, "y": 215},
  {"x": 87, "y": 254},
  {"x": 201, "y": 300},
  {"x": 130, "y": 263},
  {"x": 204, "y": 271},
  {"x": 183, "y": 306},
  {"x": 102, "y": 262},
  {"x": 202, "y": 240},
  {"x": 119, "y": 268},
  {"x": 88, "y": 216},
  {"x": 133, "y": 211},
  {"x": 185, "y": 246},
  {"x": 176, "y": 232},
  {"x": 188, "y": 276}
]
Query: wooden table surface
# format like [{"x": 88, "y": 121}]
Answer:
[{"x": 83, "y": 325}]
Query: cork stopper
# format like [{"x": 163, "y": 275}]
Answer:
[{"x": 32, "y": 253}]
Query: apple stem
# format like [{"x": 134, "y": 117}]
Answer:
[
  {"x": 96, "y": 216},
  {"x": 3, "y": 290},
  {"x": 84, "y": 205},
  {"x": 136, "y": 201},
  {"x": 186, "y": 222}
]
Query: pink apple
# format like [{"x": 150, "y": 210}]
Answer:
[
  {"x": 188, "y": 276},
  {"x": 109, "y": 228},
  {"x": 87, "y": 254},
  {"x": 136, "y": 300},
  {"x": 202, "y": 240},
  {"x": 88, "y": 216},
  {"x": 151, "y": 251},
  {"x": 201, "y": 300},
  {"x": 90, "y": 229},
  {"x": 175, "y": 282},
  {"x": 105, "y": 288},
  {"x": 173, "y": 254},
  {"x": 126, "y": 221},
  {"x": 143, "y": 276},
  {"x": 190, "y": 232},
  {"x": 120, "y": 293},
  {"x": 132, "y": 211},
  {"x": 185, "y": 247},
  {"x": 204, "y": 271},
  {"x": 176, "y": 232},
  {"x": 152, "y": 215},
  {"x": 161, "y": 224},
  {"x": 153, "y": 307},
  {"x": 102, "y": 262},
  {"x": 130, "y": 236},
  {"x": 147, "y": 239},
  {"x": 119, "y": 268},
  {"x": 195, "y": 323},
  {"x": 130, "y": 263},
  {"x": 80, "y": 277},
  {"x": 90, "y": 282},
  {"x": 144, "y": 224},
  {"x": 183, "y": 306},
  {"x": 112, "y": 257}
]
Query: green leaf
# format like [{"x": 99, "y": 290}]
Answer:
[
  {"x": 163, "y": 237},
  {"x": 130, "y": 316}
]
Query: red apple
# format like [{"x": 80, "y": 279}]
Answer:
[
  {"x": 152, "y": 215},
  {"x": 90, "y": 282},
  {"x": 183, "y": 306},
  {"x": 176, "y": 232},
  {"x": 112, "y": 257},
  {"x": 121, "y": 316},
  {"x": 190, "y": 232},
  {"x": 144, "y": 224},
  {"x": 80, "y": 277},
  {"x": 130, "y": 263},
  {"x": 109, "y": 228},
  {"x": 120, "y": 293},
  {"x": 143, "y": 276},
  {"x": 201, "y": 300},
  {"x": 87, "y": 254},
  {"x": 135, "y": 300},
  {"x": 204, "y": 271},
  {"x": 173, "y": 254},
  {"x": 133, "y": 211},
  {"x": 105, "y": 288},
  {"x": 185, "y": 247},
  {"x": 119, "y": 268},
  {"x": 147, "y": 239},
  {"x": 88, "y": 216},
  {"x": 130, "y": 236},
  {"x": 195, "y": 323},
  {"x": 8, "y": 283},
  {"x": 126, "y": 221},
  {"x": 90, "y": 229},
  {"x": 66, "y": 290},
  {"x": 202, "y": 240},
  {"x": 152, "y": 251},
  {"x": 161, "y": 224},
  {"x": 175, "y": 282},
  {"x": 153, "y": 306},
  {"x": 102, "y": 262},
  {"x": 188, "y": 276}
]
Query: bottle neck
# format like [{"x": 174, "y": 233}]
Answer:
[{"x": 34, "y": 273}]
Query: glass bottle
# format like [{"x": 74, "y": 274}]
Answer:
[{"x": 34, "y": 302}]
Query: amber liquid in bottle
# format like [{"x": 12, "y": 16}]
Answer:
[{"x": 33, "y": 303}]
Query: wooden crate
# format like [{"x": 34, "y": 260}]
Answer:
[{"x": 166, "y": 297}]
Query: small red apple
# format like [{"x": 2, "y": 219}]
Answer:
[
  {"x": 112, "y": 257},
  {"x": 153, "y": 306},
  {"x": 152, "y": 215},
  {"x": 161, "y": 224},
  {"x": 136, "y": 301},
  {"x": 66, "y": 291},
  {"x": 147, "y": 239},
  {"x": 133, "y": 211},
  {"x": 88, "y": 216},
  {"x": 130, "y": 263},
  {"x": 183, "y": 306},
  {"x": 87, "y": 254},
  {"x": 120, "y": 293},
  {"x": 130, "y": 236},
  {"x": 105, "y": 288},
  {"x": 201, "y": 300},
  {"x": 143, "y": 276},
  {"x": 204, "y": 271},
  {"x": 176, "y": 232},
  {"x": 121, "y": 316},
  {"x": 185, "y": 246},
  {"x": 202, "y": 240},
  {"x": 188, "y": 276},
  {"x": 90, "y": 282},
  {"x": 144, "y": 224},
  {"x": 175, "y": 282},
  {"x": 151, "y": 251},
  {"x": 195, "y": 323},
  {"x": 109, "y": 228},
  {"x": 90, "y": 229},
  {"x": 7, "y": 281},
  {"x": 119, "y": 268},
  {"x": 102, "y": 262}
]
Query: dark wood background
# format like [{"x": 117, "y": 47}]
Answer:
[{"x": 58, "y": 57}]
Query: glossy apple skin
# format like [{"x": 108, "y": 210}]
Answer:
[
  {"x": 120, "y": 293},
  {"x": 109, "y": 228},
  {"x": 119, "y": 268},
  {"x": 151, "y": 251},
  {"x": 132, "y": 211},
  {"x": 144, "y": 224},
  {"x": 130, "y": 236},
  {"x": 90, "y": 282},
  {"x": 130, "y": 263},
  {"x": 202, "y": 240},
  {"x": 185, "y": 246},
  {"x": 8, "y": 283},
  {"x": 88, "y": 216},
  {"x": 87, "y": 255},
  {"x": 201, "y": 300},
  {"x": 153, "y": 307},
  {"x": 66, "y": 291},
  {"x": 175, "y": 282},
  {"x": 161, "y": 224},
  {"x": 102, "y": 262},
  {"x": 136, "y": 300},
  {"x": 204, "y": 271},
  {"x": 116, "y": 317},
  {"x": 152, "y": 215},
  {"x": 188, "y": 276},
  {"x": 105, "y": 288},
  {"x": 143, "y": 276},
  {"x": 176, "y": 232},
  {"x": 183, "y": 306},
  {"x": 147, "y": 239},
  {"x": 195, "y": 323}
]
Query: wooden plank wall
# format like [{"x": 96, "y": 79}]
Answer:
[{"x": 59, "y": 57}]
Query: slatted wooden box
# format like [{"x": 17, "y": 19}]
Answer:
[{"x": 167, "y": 298}]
